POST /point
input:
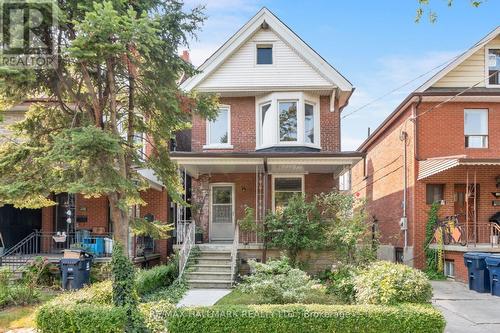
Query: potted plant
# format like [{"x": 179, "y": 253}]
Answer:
[
  {"x": 198, "y": 235},
  {"x": 247, "y": 224}
]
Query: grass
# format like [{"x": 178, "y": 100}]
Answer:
[
  {"x": 22, "y": 316},
  {"x": 236, "y": 297}
]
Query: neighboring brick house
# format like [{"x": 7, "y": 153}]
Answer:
[
  {"x": 277, "y": 133},
  {"x": 89, "y": 218},
  {"x": 442, "y": 143}
]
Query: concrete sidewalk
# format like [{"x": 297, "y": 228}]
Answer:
[
  {"x": 202, "y": 297},
  {"x": 466, "y": 311}
]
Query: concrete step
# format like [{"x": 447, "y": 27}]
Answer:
[
  {"x": 215, "y": 276},
  {"x": 211, "y": 268},
  {"x": 209, "y": 284},
  {"x": 215, "y": 254},
  {"x": 214, "y": 247},
  {"x": 213, "y": 261}
]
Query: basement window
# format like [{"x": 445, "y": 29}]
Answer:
[
  {"x": 264, "y": 54},
  {"x": 449, "y": 268}
]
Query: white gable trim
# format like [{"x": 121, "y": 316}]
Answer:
[
  {"x": 442, "y": 73},
  {"x": 288, "y": 36}
]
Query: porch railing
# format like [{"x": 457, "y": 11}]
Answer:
[
  {"x": 234, "y": 253},
  {"x": 180, "y": 230},
  {"x": 188, "y": 240},
  {"x": 483, "y": 233}
]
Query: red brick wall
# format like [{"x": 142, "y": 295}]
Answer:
[
  {"x": 441, "y": 131},
  {"x": 157, "y": 204},
  {"x": 95, "y": 209},
  {"x": 243, "y": 132},
  {"x": 461, "y": 273}
]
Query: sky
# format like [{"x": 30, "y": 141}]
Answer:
[{"x": 375, "y": 44}]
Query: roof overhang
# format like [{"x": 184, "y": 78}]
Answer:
[
  {"x": 433, "y": 166},
  {"x": 197, "y": 164},
  {"x": 152, "y": 179}
]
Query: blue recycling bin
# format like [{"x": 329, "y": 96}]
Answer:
[
  {"x": 94, "y": 245},
  {"x": 493, "y": 264},
  {"x": 479, "y": 278}
]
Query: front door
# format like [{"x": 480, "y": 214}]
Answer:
[
  {"x": 460, "y": 208},
  {"x": 222, "y": 213}
]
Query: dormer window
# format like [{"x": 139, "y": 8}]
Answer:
[
  {"x": 288, "y": 119},
  {"x": 264, "y": 54},
  {"x": 493, "y": 65}
]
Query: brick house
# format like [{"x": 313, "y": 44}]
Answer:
[
  {"x": 441, "y": 144},
  {"x": 277, "y": 133},
  {"x": 32, "y": 232}
]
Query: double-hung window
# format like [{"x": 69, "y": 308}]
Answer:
[
  {"x": 476, "y": 128},
  {"x": 285, "y": 187},
  {"x": 493, "y": 66},
  {"x": 219, "y": 130}
]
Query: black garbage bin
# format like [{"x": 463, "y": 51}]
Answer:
[
  {"x": 493, "y": 264},
  {"x": 76, "y": 271},
  {"x": 479, "y": 278}
]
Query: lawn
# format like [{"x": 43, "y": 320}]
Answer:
[
  {"x": 22, "y": 316},
  {"x": 236, "y": 297}
]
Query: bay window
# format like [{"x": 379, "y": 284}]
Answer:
[
  {"x": 476, "y": 128},
  {"x": 219, "y": 130},
  {"x": 288, "y": 119}
]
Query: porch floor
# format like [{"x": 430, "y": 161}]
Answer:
[
  {"x": 480, "y": 247},
  {"x": 55, "y": 258}
]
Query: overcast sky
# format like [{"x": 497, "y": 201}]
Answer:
[{"x": 375, "y": 44}]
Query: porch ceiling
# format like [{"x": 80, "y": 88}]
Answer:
[
  {"x": 197, "y": 165},
  {"x": 434, "y": 166}
]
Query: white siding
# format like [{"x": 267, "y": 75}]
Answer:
[
  {"x": 469, "y": 72},
  {"x": 288, "y": 68}
]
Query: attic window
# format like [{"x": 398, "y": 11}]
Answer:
[
  {"x": 264, "y": 54},
  {"x": 493, "y": 66}
]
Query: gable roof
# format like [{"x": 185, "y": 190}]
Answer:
[
  {"x": 457, "y": 61},
  {"x": 285, "y": 33}
]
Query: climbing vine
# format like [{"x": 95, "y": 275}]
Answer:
[{"x": 434, "y": 262}]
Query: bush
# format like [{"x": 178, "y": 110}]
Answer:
[
  {"x": 340, "y": 283},
  {"x": 389, "y": 283},
  {"x": 157, "y": 277},
  {"x": 307, "y": 318},
  {"x": 98, "y": 293},
  {"x": 278, "y": 283},
  {"x": 81, "y": 318},
  {"x": 172, "y": 293},
  {"x": 155, "y": 315},
  {"x": 16, "y": 292}
]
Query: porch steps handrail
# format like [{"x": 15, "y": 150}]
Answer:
[
  {"x": 187, "y": 244},
  {"x": 28, "y": 244},
  {"x": 234, "y": 253}
]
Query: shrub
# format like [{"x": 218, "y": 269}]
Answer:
[
  {"x": 155, "y": 315},
  {"x": 157, "y": 277},
  {"x": 100, "y": 293},
  {"x": 340, "y": 283},
  {"x": 278, "y": 283},
  {"x": 16, "y": 292},
  {"x": 81, "y": 318},
  {"x": 173, "y": 293},
  {"x": 308, "y": 318},
  {"x": 389, "y": 283}
]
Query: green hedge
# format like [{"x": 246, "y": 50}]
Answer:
[
  {"x": 157, "y": 277},
  {"x": 80, "y": 318},
  {"x": 308, "y": 318}
]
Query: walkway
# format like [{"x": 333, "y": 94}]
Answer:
[
  {"x": 466, "y": 311},
  {"x": 202, "y": 297}
]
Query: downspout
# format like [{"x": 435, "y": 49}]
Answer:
[{"x": 404, "y": 219}]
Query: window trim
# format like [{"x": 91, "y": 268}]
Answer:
[
  {"x": 227, "y": 145},
  {"x": 482, "y": 135},
  {"x": 274, "y": 99},
  {"x": 284, "y": 175},
  {"x": 265, "y": 44},
  {"x": 486, "y": 67}
]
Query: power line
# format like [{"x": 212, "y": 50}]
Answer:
[{"x": 400, "y": 87}]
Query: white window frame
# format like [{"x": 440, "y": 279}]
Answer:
[
  {"x": 487, "y": 128},
  {"x": 447, "y": 265},
  {"x": 275, "y": 176},
  {"x": 274, "y": 99},
  {"x": 265, "y": 44},
  {"x": 227, "y": 145},
  {"x": 486, "y": 66},
  {"x": 233, "y": 201}
]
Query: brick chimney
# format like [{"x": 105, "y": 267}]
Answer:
[{"x": 185, "y": 56}]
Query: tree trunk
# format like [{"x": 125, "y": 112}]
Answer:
[{"x": 120, "y": 221}]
